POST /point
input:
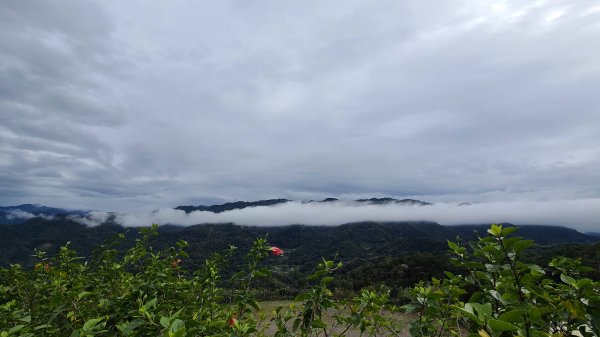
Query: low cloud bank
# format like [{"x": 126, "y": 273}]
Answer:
[
  {"x": 95, "y": 218},
  {"x": 583, "y": 214},
  {"x": 18, "y": 214}
]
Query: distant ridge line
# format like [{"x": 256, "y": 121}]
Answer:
[{"x": 228, "y": 206}]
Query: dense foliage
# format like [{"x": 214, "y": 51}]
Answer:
[
  {"x": 496, "y": 294},
  {"x": 397, "y": 254},
  {"x": 147, "y": 291}
]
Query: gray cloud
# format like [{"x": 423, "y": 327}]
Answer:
[
  {"x": 133, "y": 105},
  {"x": 18, "y": 214},
  {"x": 582, "y": 214}
]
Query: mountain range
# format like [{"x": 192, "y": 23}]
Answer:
[
  {"x": 17, "y": 214},
  {"x": 20, "y": 213},
  {"x": 270, "y": 202},
  {"x": 361, "y": 239},
  {"x": 395, "y": 253}
]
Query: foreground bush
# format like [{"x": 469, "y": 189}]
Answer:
[
  {"x": 148, "y": 293},
  {"x": 498, "y": 295}
]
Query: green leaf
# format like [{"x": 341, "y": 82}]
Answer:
[
  {"x": 535, "y": 313},
  {"x": 536, "y": 270},
  {"x": 484, "y": 311},
  {"x": 319, "y": 324},
  {"x": 84, "y": 294},
  {"x": 521, "y": 245},
  {"x": 126, "y": 328},
  {"x": 495, "y": 230},
  {"x": 495, "y": 294},
  {"x": 583, "y": 282},
  {"x": 178, "y": 333},
  {"x": 327, "y": 280},
  {"x": 164, "y": 321},
  {"x": 508, "y": 230},
  {"x": 513, "y": 316},
  {"x": 500, "y": 326},
  {"x": 91, "y": 323},
  {"x": 568, "y": 280},
  {"x": 43, "y": 326},
  {"x": 575, "y": 308},
  {"x": 25, "y": 319},
  {"x": 177, "y": 325},
  {"x": 16, "y": 328},
  {"x": 467, "y": 310},
  {"x": 254, "y": 305}
]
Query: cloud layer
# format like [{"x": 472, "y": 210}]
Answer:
[
  {"x": 128, "y": 105},
  {"x": 582, "y": 214}
]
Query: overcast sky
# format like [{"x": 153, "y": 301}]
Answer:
[{"x": 136, "y": 105}]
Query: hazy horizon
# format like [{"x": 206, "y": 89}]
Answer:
[{"x": 582, "y": 215}]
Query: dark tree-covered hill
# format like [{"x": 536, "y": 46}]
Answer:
[
  {"x": 305, "y": 244},
  {"x": 395, "y": 253}
]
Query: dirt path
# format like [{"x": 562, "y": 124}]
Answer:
[{"x": 267, "y": 309}]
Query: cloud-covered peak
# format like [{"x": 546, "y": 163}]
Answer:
[{"x": 579, "y": 214}]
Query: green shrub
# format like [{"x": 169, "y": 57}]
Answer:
[
  {"x": 148, "y": 293},
  {"x": 498, "y": 295}
]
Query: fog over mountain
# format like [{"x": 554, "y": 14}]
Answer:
[
  {"x": 133, "y": 105},
  {"x": 582, "y": 215}
]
